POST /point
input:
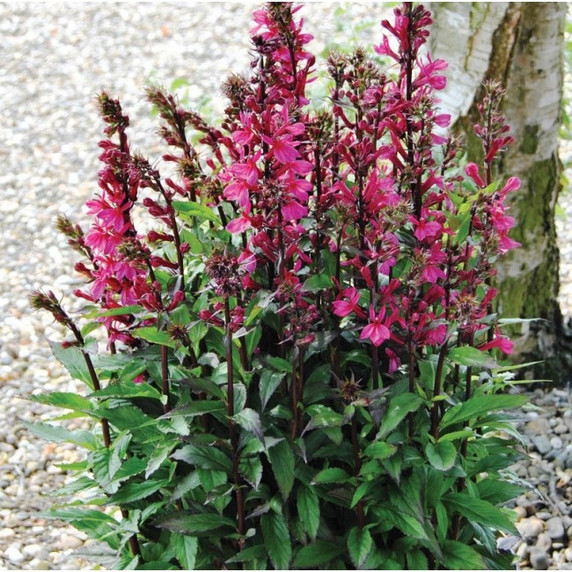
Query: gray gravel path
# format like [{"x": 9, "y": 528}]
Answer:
[{"x": 54, "y": 58}]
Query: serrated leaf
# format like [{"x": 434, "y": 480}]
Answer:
[
  {"x": 250, "y": 421},
  {"x": 128, "y": 389},
  {"x": 256, "y": 552},
  {"x": 196, "y": 524},
  {"x": 359, "y": 545},
  {"x": 269, "y": 383},
  {"x": 73, "y": 359},
  {"x": 106, "y": 463},
  {"x": 187, "y": 483},
  {"x": 56, "y": 434},
  {"x": 72, "y": 514},
  {"x": 133, "y": 491},
  {"x": 398, "y": 408},
  {"x": 190, "y": 209},
  {"x": 308, "y": 505},
  {"x": 195, "y": 408},
  {"x": 441, "y": 455},
  {"x": 317, "y": 282},
  {"x": 472, "y": 357},
  {"x": 479, "y": 510},
  {"x": 459, "y": 556},
  {"x": 65, "y": 400},
  {"x": 380, "y": 450},
  {"x": 154, "y": 335},
  {"x": 116, "y": 312},
  {"x": 313, "y": 556},
  {"x": 199, "y": 385},
  {"x": 331, "y": 475},
  {"x": 158, "y": 456},
  {"x": 322, "y": 416},
  {"x": 281, "y": 459},
  {"x": 480, "y": 405},
  {"x": 277, "y": 539},
  {"x": 186, "y": 548},
  {"x": 204, "y": 457}
]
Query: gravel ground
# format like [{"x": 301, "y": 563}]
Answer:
[{"x": 54, "y": 58}]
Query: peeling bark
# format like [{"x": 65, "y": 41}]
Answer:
[{"x": 520, "y": 44}]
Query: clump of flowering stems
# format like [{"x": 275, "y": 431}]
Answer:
[{"x": 347, "y": 236}]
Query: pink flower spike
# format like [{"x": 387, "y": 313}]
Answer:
[{"x": 473, "y": 171}]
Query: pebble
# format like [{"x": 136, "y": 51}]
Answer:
[
  {"x": 14, "y": 554},
  {"x": 7, "y": 533},
  {"x": 555, "y": 528},
  {"x": 542, "y": 443},
  {"x": 530, "y": 528},
  {"x": 539, "y": 559}
]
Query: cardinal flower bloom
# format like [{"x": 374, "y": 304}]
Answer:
[{"x": 376, "y": 330}]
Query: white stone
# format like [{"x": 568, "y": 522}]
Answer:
[{"x": 14, "y": 555}]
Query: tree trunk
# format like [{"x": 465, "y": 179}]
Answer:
[{"x": 521, "y": 45}]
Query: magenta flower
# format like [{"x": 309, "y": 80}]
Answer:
[
  {"x": 426, "y": 228},
  {"x": 344, "y": 308},
  {"x": 376, "y": 331}
]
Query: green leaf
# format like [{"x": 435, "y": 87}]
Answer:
[
  {"x": 281, "y": 459},
  {"x": 321, "y": 417},
  {"x": 398, "y": 408},
  {"x": 317, "y": 282},
  {"x": 195, "y": 408},
  {"x": 359, "y": 544},
  {"x": 55, "y": 434},
  {"x": 331, "y": 475},
  {"x": 256, "y": 552},
  {"x": 380, "y": 450},
  {"x": 204, "y": 457},
  {"x": 128, "y": 389},
  {"x": 497, "y": 491},
  {"x": 269, "y": 383},
  {"x": 203, "y": 524},
  {"x": 115, "y": 312},
  {"x": 277, "y": 539},
  {"x": 249, "y": 420},
  {"x": 64, "y": 400},
  {"x": 479, "y": 510},
  {"x": 186, "y": 548},
  {"x": 199, "y": 385},
  {"x": 308, "y": 505},
  {"x": 472, "y": 357},
  {"x": 159, "y": 454},
  {"x": 442, "y": 455},
  {"x": 190, "y": 209},
  {"x": 459, "y": 556},
  {"x": 480, "y": 405},
  {"x": 133, "y": 491},
  {"x": 72, "y": 514},
  {"x": 106, "y": 463},
  {"x": 73, "y": 359},
  {"x": 278, "y": 364},
  {"x": 154, "y": 335},
  {"x": 313, "y": 556},
  {"x": 185, "y": 484}
]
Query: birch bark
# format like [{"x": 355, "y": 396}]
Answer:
[{"x": 520, "y": 44}]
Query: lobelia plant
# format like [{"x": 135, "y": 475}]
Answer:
[{"x": 298, "y": 370}]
